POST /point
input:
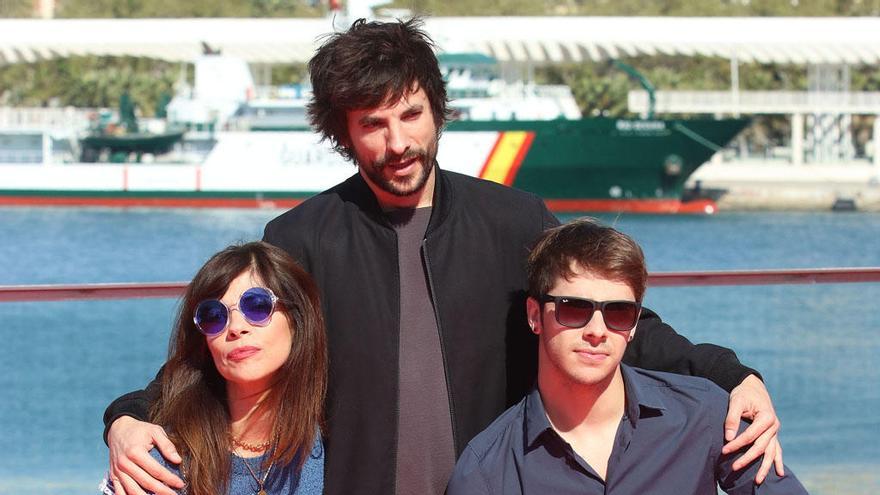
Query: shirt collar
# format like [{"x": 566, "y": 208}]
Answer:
[
  {"x": 536, "y": 418},
  {"x": 639, "y": 397}
]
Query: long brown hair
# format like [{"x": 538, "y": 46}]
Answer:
[{"x": 193, "y": 406}]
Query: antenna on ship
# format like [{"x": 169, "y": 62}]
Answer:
[{"x": 638, "y": 76}]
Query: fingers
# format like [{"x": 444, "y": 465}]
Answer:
[
  {"x": 130, "y": 442},
  {"x": 139, "y": 479},
  {"x": 762, "y": 429},
  {"x": 118, "y": 489},
  {"x": 124, "y": 485},
  {"x": 166, "y": 448},
  {"x": 765, "y": 444},
  {"x": 731, "y": 422},
  {"x": 748, "y": 436},
  {"x": 777, "y": 461},
  {"x": 766, "y": 462},
  {"x": 130, "y": 487},
  {"x": 751, "y": 400},
  {"x": 153, "y": 468}
]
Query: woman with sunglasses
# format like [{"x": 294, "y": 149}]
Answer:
[{"x": 243, "y": 388}]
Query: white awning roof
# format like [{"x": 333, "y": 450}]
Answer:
[
  {"x": 756, "y": 39},
  {"x": 255, "y": 40},
  {"x": 535, "y": 40}
]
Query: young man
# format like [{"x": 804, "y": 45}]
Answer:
[
  {"x": 422, "y": 276},
  {"x": 594, "y": 425}
]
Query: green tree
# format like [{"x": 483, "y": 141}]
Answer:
[
  {"x": 190, "y": 8},
  {"x": 289, "y": 74},
  {"x": 598, "y": 89},
  {"x": 471, "y": 8},
  {"x": 87, "y": 82},
  {"x": 16, "y": 8}
]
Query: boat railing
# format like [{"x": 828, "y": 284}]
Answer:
[
  {"x": 552, "y": 90},
  {"x": 60, "y": 292},
  {"x": 289, "y": 92},
  {"x": 758, "y": 102}
]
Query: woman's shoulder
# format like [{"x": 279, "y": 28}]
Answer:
[
  {"x": 311, "y": 475},
  {"x": 318, "y": 447},
  {"x": 174, "y": 468}
]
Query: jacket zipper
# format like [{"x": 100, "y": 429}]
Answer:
[
  {"x": 424, "y": 250},
  {"x": 397, "y": 344}
]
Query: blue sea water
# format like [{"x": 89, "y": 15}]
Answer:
[{"x": 818, "y": 346}]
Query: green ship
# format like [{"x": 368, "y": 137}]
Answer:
[
  {"x": 523, "y": 135},
  {"x": 602, "y": 164}
]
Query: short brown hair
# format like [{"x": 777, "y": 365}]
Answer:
[
  {"x": 193, "y": 406},
  {"x": 596, "y": 248},
  {"x": 369, "y": 64}
]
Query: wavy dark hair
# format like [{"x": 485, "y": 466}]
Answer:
[
  {"x": 369, "y": 64},
  {"x": 193, "y": 405},
  {"x": 592, "y": 246}
]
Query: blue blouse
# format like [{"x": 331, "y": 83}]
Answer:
[{"x": 284, "y": 480}]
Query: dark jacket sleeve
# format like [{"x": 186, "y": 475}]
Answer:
[
  {"x": 548, "y": 218},
  {"x": 135, "y": 404},
  {"x": 279, "y": 234},
  {"x": 657, "y": 346}
]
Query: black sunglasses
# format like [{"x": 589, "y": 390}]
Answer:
[
  {"x": 256, "y": 305},
  {"x": 575, "y": 312}
]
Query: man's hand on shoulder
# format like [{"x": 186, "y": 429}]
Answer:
[
  {"x": 132, "y": 469},
  {"x": 750, "y": 400}
]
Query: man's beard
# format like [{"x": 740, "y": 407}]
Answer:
[{"x": 402, "y": 186}]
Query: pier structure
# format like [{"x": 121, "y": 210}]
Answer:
[
  {"x": 820, "y": 118},
  {"x": 819, "y": 168}
]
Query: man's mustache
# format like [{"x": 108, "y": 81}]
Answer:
[{"x": 406, "y": 155}]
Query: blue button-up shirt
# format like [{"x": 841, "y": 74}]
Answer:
[{"x": 668, "y": 442}]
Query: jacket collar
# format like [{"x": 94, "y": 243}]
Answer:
[{"x": 442, "y": 201}]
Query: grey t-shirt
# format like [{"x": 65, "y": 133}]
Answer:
[{"x": 425, "y": 452}]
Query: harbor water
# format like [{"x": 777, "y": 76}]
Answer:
[{"x": 817, "y": 346}]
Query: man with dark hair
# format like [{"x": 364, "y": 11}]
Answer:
[
  {"x": 594, "y": 425},
  {"x": 422, "y": 276}
]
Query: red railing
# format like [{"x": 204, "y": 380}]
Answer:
[
  {"x": 766, "y": 277},
  {"x": 665, "y": 279},
  {"x": 90, "y": 291}
]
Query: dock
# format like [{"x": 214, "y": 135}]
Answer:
[{"x": 782, "y": 186}]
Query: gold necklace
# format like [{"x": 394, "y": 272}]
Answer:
[
  {"x": 260, "y": 490},
  {"x": 250, "y": 447}
]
